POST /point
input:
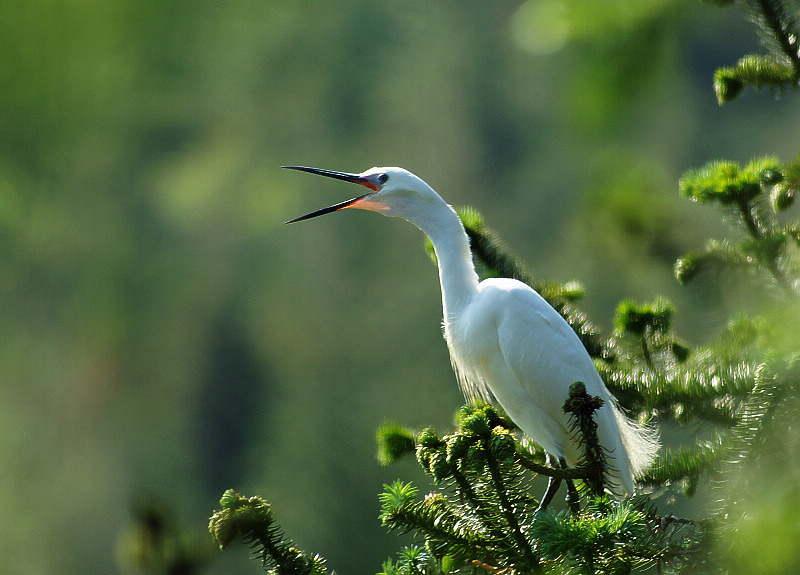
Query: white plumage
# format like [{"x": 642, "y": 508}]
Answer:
[{"x": 507, "y": 344}]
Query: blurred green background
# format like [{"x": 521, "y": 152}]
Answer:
[{"x": 165, "y": 335}]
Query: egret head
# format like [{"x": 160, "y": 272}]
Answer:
[{"x": 393, "y": 192}]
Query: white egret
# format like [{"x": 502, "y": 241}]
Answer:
[{"x": 507, "y": 344}]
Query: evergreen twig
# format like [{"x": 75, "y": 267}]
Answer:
[
  {"x": 253, "y": 521},
  {"x": 776, "y": 23}
]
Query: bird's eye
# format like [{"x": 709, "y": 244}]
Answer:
[{"x": 383, "y": 178}]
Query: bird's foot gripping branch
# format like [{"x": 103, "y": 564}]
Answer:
[{"x": 483, "y": 514}]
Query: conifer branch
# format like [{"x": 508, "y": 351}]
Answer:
[
  {"x": 413, "y": 560},
  {"x": 777, "y": 25},
  {"x": 394, "y": 441},
  {"x": 747, "y": 191},
  {"x": 685, "y": 465},
  {"x": 700, "y": 390},
  {"x": 755, "y": 70},
  {"x": 434, "y": 516},
  {"x": 522, "y": 545},
  {"x": 581, "y": 407},
  {"x": 612, "y": 539},
  {"x": 253, "y": 521}
]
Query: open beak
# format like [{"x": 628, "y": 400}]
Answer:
[{"x": 355, "y": 178}]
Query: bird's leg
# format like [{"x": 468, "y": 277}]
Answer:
[
  {"x": 553, "y": 483},
  {"x": 573, "y": 499}
]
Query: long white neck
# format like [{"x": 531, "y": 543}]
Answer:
[{"x": 457, "y": 274}]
